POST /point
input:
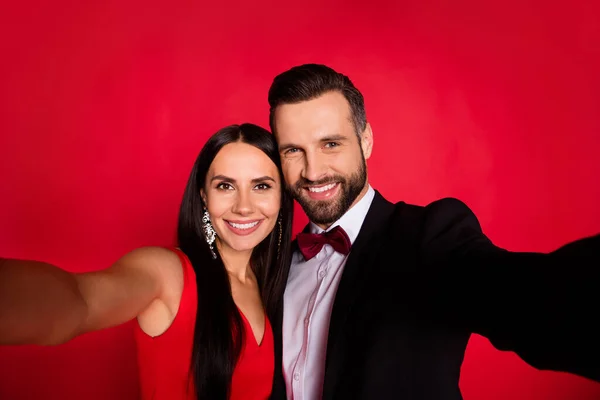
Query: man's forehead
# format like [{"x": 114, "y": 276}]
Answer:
[
  {"x": 326, "y": 104},
  {"x": 312, "y": 120}
]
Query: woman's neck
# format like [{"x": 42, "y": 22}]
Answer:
[{"x": 237, "y": 263}]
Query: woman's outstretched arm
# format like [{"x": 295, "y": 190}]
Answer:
[{"x": 43, "y": 304}]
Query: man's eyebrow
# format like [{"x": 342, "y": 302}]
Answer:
[
  {"x": 330, "y": 138},
  {"x": 333, "y": 138}
]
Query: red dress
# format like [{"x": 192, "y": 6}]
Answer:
[{"x": 164, "y": 360}]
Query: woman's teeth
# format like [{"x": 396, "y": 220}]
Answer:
[{"x": 243, "y": 226}]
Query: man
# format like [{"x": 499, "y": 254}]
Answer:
[{"x": 383, "y": 304}]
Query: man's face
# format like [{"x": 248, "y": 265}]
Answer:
[{"x": 323, "y": 160}]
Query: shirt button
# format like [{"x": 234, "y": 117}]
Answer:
[
  {"x": 296, "y": 376},
  {"x": 306, "y": 321},
  {"x": 322, "y": 273}
]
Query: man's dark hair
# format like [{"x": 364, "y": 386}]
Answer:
[{"x": 309, "y": 81}]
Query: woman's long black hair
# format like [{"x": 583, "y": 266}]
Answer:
[{"x": 218, "y": 336}]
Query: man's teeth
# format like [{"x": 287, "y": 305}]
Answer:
[
  {"x": 244, "y": 226},
  {"x": 322, "y": 188}
]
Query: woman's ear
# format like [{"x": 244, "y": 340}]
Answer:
[{"x": 203, "y": 196}]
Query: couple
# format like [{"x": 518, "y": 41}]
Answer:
[{"x": 374, "y": 300}]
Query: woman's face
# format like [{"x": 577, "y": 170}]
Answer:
[{"x": 243, "y": 196}]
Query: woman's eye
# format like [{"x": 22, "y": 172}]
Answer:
[
  {"x": 263, "y": 186},
  {"x": 224, "y": 186}
]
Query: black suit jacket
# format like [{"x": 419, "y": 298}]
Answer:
[{"x": 420, "y": 280}]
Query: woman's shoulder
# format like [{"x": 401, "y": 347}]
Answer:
[
  {"x": 155, "y": 256},
  {"x": 164, "y": 264}
]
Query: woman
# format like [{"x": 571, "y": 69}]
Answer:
[{"x": 202, "y": 332}]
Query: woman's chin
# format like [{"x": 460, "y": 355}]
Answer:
[{"x": 242, "y": 245}]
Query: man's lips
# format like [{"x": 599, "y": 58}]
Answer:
[{"x": 322, "y": 192}]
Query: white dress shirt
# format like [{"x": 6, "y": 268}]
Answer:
[{"x": 308, "y": 301}]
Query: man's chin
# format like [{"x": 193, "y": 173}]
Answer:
[
  {"x": 311, "y": 204},
  {"x": 321, "y": 212}
]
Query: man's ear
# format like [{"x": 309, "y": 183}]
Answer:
[{"x": 366, "y": 141}]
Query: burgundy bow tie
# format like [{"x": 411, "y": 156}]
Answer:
[{"x": 310, "y": 244}]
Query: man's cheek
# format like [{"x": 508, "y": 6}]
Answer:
[{"x": 290, "y": 176}]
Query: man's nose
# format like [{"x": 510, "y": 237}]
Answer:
[{"x": 315, "y": 167}]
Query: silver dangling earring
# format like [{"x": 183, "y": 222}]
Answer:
[
  {"x": 209, "y": 233},
  {"x": 279, "y": 241}
]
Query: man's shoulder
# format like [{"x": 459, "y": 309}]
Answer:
[
  {"x": 440, "y": 208},
  {"x": 431, "y": 219},
  {"x": 434, "y": 227}
]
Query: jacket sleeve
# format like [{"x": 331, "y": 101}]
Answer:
[{"x": 544, "y": 307}]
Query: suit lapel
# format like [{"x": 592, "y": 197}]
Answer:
[{"x": 363, "y": 250}]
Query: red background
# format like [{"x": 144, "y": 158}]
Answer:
[{"x": 105, "y": 105}]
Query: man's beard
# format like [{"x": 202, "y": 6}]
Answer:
[{"x": 326, "y": 212}]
